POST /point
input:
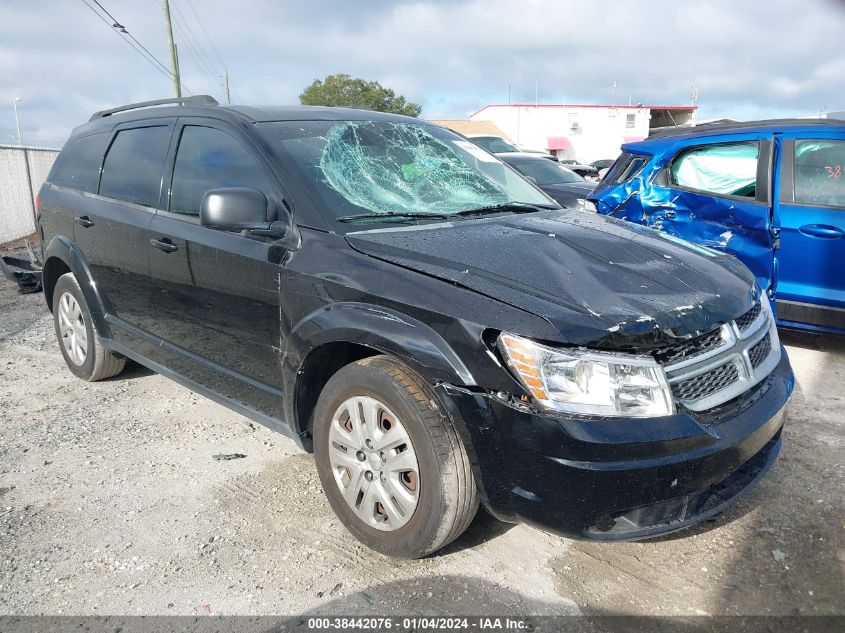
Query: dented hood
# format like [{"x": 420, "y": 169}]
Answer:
[{"x": 597, "y": 280}]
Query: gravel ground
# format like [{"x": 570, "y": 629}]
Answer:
[{"x": 110, "y": 503}]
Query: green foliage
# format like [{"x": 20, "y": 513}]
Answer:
[{"x": 342, "y": 90}]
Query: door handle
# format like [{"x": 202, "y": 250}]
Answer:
[
  {"x": 164, "y": 244},
  {"x": 670, "y": 214},
  {"x": 822, "y": 230},
  {"x": 84, "y": 221}
]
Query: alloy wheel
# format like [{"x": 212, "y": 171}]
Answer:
[{"x": 72, "y": 329}]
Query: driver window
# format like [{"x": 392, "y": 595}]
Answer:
[{"x": 210, "y": 159}]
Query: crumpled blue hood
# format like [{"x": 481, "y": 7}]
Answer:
[{"x": 597, "y": 280}]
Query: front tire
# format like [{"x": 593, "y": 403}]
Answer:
[
  {"x": 391, "y": 462},
  {"x": 82, "y": 349}
]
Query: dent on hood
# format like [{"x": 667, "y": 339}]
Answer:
[{"x": 600, "y": 282}]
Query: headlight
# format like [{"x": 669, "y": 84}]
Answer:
[
  {"x": 586, "y": 205},
  {"x": 586, "y": 382}
]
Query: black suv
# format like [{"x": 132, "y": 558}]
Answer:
[{"x": 426, "y": 321}]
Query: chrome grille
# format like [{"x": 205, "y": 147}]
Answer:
[
  {"x": 689, "y": 349},
  {"x": 706, "y": 384},
  {"x": 760, "y": 351},
  {"x": 747, "y": 319},
  {"x": 716, "y": 367}
]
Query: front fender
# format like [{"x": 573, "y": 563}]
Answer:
[
  {"x": 382, "y": 329},
  {"x": 62, "y": 249}
]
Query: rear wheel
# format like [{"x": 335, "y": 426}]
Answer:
[
  {"x": 390, "y": 460},
  {"x": 82, "y": 349}
]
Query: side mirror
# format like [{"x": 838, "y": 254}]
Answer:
[
  {"x": 234, "y": 209},
  {"x": 240, "y": 209}
]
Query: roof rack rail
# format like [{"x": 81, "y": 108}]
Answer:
[{"x": 199, "y": 100}]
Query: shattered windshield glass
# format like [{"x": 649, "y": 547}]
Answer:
[{"x": 390, "y": 168}]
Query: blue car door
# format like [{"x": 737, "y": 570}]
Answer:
[
  {"x": 811, "y": 212},
  {"x": 717, "y": 194}
]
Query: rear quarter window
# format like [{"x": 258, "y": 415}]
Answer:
[
  {"x": 79, "y": 163},
  {"x": 624, "y": 169},
  {"x": 133, "y": 167}
]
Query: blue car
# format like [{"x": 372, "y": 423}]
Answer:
[{"x": 772, "y": 193}]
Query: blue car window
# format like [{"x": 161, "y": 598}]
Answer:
[
  {"x": 818, "y": 173},
  {"x": 727, "y": 169}
]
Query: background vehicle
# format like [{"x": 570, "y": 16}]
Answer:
[
  {"x": 493, "y": 144},
  {"x": 426, "y": 321},
  {"x": 498, "y": 145},
  {"x": 603, "y": 163},
  {"x": 587, "y": 171},
  {"x": 539, "y": 152},
  {"x": 563, "y": 185},
  {"x": 769, "y": 192}
]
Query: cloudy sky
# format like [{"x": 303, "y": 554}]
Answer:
[{"x": 746, "y": 58}]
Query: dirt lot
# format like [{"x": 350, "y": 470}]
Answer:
[{"x": 110, "y": 503}]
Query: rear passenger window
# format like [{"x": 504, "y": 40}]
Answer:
[
  {"x": 133, "y": 167},
  {"x": 210, "y": 159},
  {"x": 819, "y": 178},
  {"x": 728, "y": 169},
  {"x": 79, "y": 163}
]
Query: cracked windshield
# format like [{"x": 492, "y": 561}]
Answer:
[{"x": 362, "y": 170}]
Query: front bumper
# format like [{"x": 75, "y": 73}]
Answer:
[{"x": 615, "y": 479}]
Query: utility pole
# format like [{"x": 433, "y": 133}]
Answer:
[
  {"x": 174, "y": 57},
  {"x": 226, "y": 86},
  {"x": 17, "y": 119}
]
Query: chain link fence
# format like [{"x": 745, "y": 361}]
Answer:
[{"x": 23, "y": 170}]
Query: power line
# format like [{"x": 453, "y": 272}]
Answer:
[
  {"x": 225, "y": 75},
  {"x": 199, "y": 48},
  {"x": 210, "y": 41},
  {"x": 122, "y": 29},
  {"x": 203, "y": 63},
  {"x": 142, "y": 50}
]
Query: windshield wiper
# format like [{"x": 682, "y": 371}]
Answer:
[
  {"x": 393, "y": 216},
  {"x": 401, "y": 216},
  {"x": 516, "y": 207}
]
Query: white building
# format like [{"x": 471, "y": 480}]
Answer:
[{"x": 583, "y": 132}]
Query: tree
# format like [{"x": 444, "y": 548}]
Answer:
[{"x": 343, "y": 90}]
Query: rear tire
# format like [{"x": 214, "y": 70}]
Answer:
[
  {"x": 422, "y": 475},
  {"x": 81, "y": 347}
]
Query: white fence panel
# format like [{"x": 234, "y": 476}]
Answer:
[{"x": 17, "y": 192}]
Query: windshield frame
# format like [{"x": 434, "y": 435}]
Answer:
[{"x": 294, "y": 172}]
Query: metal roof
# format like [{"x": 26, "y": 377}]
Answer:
[{"x": 244, "y": 114}]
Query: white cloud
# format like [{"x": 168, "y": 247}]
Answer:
[{"x": 746, "y": 58}]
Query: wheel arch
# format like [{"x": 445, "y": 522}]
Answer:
[
  {"x": 338, "y": 335},
  {"x": 62, "y": 256}
]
